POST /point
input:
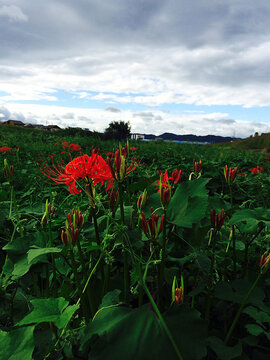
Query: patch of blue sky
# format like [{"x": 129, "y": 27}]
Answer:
[{"x": 3, "y": 93}]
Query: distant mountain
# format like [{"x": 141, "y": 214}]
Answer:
[{"x": 212, "y": 139}]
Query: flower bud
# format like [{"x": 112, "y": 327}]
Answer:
[
  {"x": 179, "y": 295},
  {"x": 64, "y": 237}
]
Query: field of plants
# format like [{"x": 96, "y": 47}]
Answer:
[{"x": 133, "y": 250}]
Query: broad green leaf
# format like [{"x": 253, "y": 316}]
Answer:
[
  {"x": 126, "y": 333},
  {"x": 17, "y": 344},
  {"x": 237, "y": 290},
  {"x": 34, "y": 253},
  {"x": 47, "y": 310},
  {"x": 247, "y": 220},
  {"x": 189, "y": 331},
  {"x": 224, "y": 352},
  {"x": 189, "y": 203}
]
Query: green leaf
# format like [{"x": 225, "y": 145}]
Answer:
[
  {"x": 119, "y": 331},
  {"x": 224, "y": 352},
  {"x": 260, "y": 316},
  {"x": 254, "y": 329},
  {"x": 143, "y": 183},
  {"x": 247, "y": 220},
  {"x": 47, "y": 310},
  {"x": 34, "y": 253},
  {"x": 17, "y": 344},
  {"x": 189, "y": 203},
  {"x": 237, "y": 290}
]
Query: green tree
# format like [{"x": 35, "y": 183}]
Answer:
[{"x": 118, "y": 130}]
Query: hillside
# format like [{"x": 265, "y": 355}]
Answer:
[{"x": 260, "y": 142}]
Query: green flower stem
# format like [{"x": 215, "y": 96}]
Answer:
[
  {"x": 78, "y": 284},
  {"x": 13, "y": 203},
  {"x": 125, "y": 254},
  {"x": 94, "y": 214},
  {"x": 234, "y": 251},
  {"x": 77, "y": 303},
  {"x": 243, "y": 304},
  {"x": 164, "y": 325},
  {"x": 81, "y": 256},
  {"x": 231, "y": 194},
  {"x": 210, "y": 282},
  {"x": 161, "y": 268},
  {"x": 52, "y": 255}
]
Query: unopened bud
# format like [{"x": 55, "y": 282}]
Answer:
[
  {"x": 64, "y": 237},
  {"x": 179, "y": 295},
  {"x": 12, "y": 170}
]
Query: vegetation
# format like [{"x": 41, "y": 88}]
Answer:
[
  {"x": 118, "y": 130},
  {"x": 140, "y": 250}
]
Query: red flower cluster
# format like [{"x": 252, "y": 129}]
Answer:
[
  {"x": 83, "y": 167},
  {"x": 75, "y": 147},
  {"x": 150, "y": 227},
  {"x": 5, "y": 148},
  {"x": 217, "y": 220},
  {"x": 258, "y": 169},
  {"x": 230, "y": 174},
  {"x": 165, "y": 188},
  {"x": 66, "y": 145}
]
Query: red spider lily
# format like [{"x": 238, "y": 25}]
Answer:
[
  {"x": 5, "y": 148},
  {"x": 150, "y": 227},
  {"x": 217, "y": 220},
  {"x": 264, "y": 261},
  {"x": 230, "y": 174},
  {"x": 176, "y": 176},
  {"x": 75, "y": 147},
  {"x": 83, "y": 167},
  {"x": 65, "y": 145},
  {"x": 197, "y": 165},
  {"x": 179, "y": 295},
  {"x": 256, "y": 170},
  {"x": 165, "y": 188}
]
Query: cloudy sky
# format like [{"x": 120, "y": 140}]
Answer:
[{"x": 182, "y": 66}]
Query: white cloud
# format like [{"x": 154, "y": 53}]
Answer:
[
  {"x": 150, "y": 53},
  {"x": 12, "y": 12},
  {"x": 154, "y": 122}
]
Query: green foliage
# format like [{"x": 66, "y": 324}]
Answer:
[
  {"x": 54, "y": 310},
  {"x": 118, "y": 130},
  {"x": 189, "y": 203},
  {"x": 17, "y": 344},
  {"x": 76, "y": 300}
]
